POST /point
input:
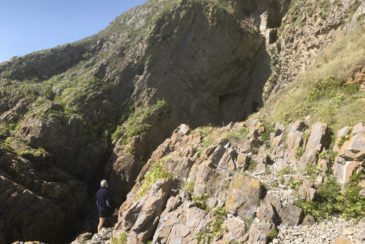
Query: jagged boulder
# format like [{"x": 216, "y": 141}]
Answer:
[
  {"x": 140, "y": 216},
  {"x": 317, "y": 141},
  {"x": 343, "y": 170},
  {"x": 243, "y": 196},
  {"x": 355, "y": 148},
  {"x": 350, "y": 154},
  {"x": 341, "y": 136},
  {"x": 211, "y": 182},
  {"x": 294, "y": 139},
  {"x": 306, "y": 191},
  {"x": 291, "y": 215},
  {"x": 259, "y": 232},
  {"x": 236, "y": 229},
  {"x": 181, "y": 225},
  {"x": 103, "y": 237}
]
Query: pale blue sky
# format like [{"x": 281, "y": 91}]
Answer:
[{"x": 31, "y": 25}]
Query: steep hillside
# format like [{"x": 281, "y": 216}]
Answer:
[
  {"x": 307, "y": 29},
  {"x": 103, "y": 104},
  {"x": 331, "y": 90},
  {"x": 100, "y": 107}
]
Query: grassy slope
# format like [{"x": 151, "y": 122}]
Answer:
[{"x": 321, "y": 91}]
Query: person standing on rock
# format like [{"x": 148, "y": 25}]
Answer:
[{"x": 104, "y": 204}]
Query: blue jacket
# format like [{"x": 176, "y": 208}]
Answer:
[{"x": 103, "y": 199}]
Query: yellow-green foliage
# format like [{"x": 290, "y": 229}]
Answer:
[
  {"x": 71, "y": 92},
  {"x": 328, "y": 155},
  {"x": 272, "y": 234},
  {"x": 252, "y": 164},
  {"x": 139, "y": 122},
  {"x": 237, "y": 135},
  {"x": 30, "y": 89},
  {"x": 152, "y": 176},
  {"x": 188, "y": 186},
  {"x": 208, "y": 134},
  {"x": 320, "y": 91},
  {"x": 286, "y": 171},
  {"x": 4, "y": 130},
  {"x": 268, "y": 129},
  {"x": 215, "y": 228},
  {"x": 43, "y": 108},
  {"x": 121, "y": 239},
  {"x": 200, "y": 201},
  {"x": 248, "y": 221},
  {"x": 299, "y": 152},
  {"x": 22, "y": 149},
  {"x": 331, "y": 201}
]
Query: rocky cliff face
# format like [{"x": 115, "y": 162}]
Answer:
[
  {"x": 250, "y": 182},
  {"x": 98, "y": 108},
  {"x": 306, "y": 30}
]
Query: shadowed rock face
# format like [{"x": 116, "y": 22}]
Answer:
[{"x": 202, "y": 63}]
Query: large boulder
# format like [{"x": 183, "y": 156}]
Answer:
[
  {"x": 354, "y": 149},
  {"x": 317, "y": 141},
  {"x": 141, "y": 217},
  {"x": 294, "y": 139},
  {"x": 291, "y": 215},
  {"x": 244, "y": 195},
  {"x": 259, "y": 232},
  {"x": 235, "y": 230},
  {"x": 341, "y": 137},
  {"x": 306, "y": 191},
  {"x": 211, "y": 182},
  {"x": 343, "y": 170},
  {"x": 181, "y": 225}
]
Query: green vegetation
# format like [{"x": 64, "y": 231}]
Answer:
[
  {"x": 30, "y": 89},
  {"x": 33, "y": 153},
  {"x": 299, "y": 152},
  {"x": 237, "y": 135},
  {"x": 252, "y": 164},
  {"x": 156, "y": 173},
  {"x": 286, "y": 171},
  {"x": 272, "y": 234},
  {"x": 188, "y": 186},
  {"x": 248, "y": 221},
  {"x": 22, "y": 149},
  {"x": 208, "y": 134},
  {"x": 200, "y": 201},
  {"x": 340, "y": 141},
  {"x": 328, "y": 155},
  {"x": 4, "y": 130},
  {"x": 331, "y": 201},
  {"x": 295, "y": 183},
  {"x": 71, "y": 93},
  {"x": 321, "y": 91},
  {"x": 268, "y": 129},
  {"x": 311, "y": 170},
  {"x": 121, "y": 239},
  {"x": 219, "y": 211},
  {"x": 43, "y": 108},
  {"x": 215, "y": 228},
  {"x": 306, "y": 136},
  {"x": 140, "y": 122}
]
